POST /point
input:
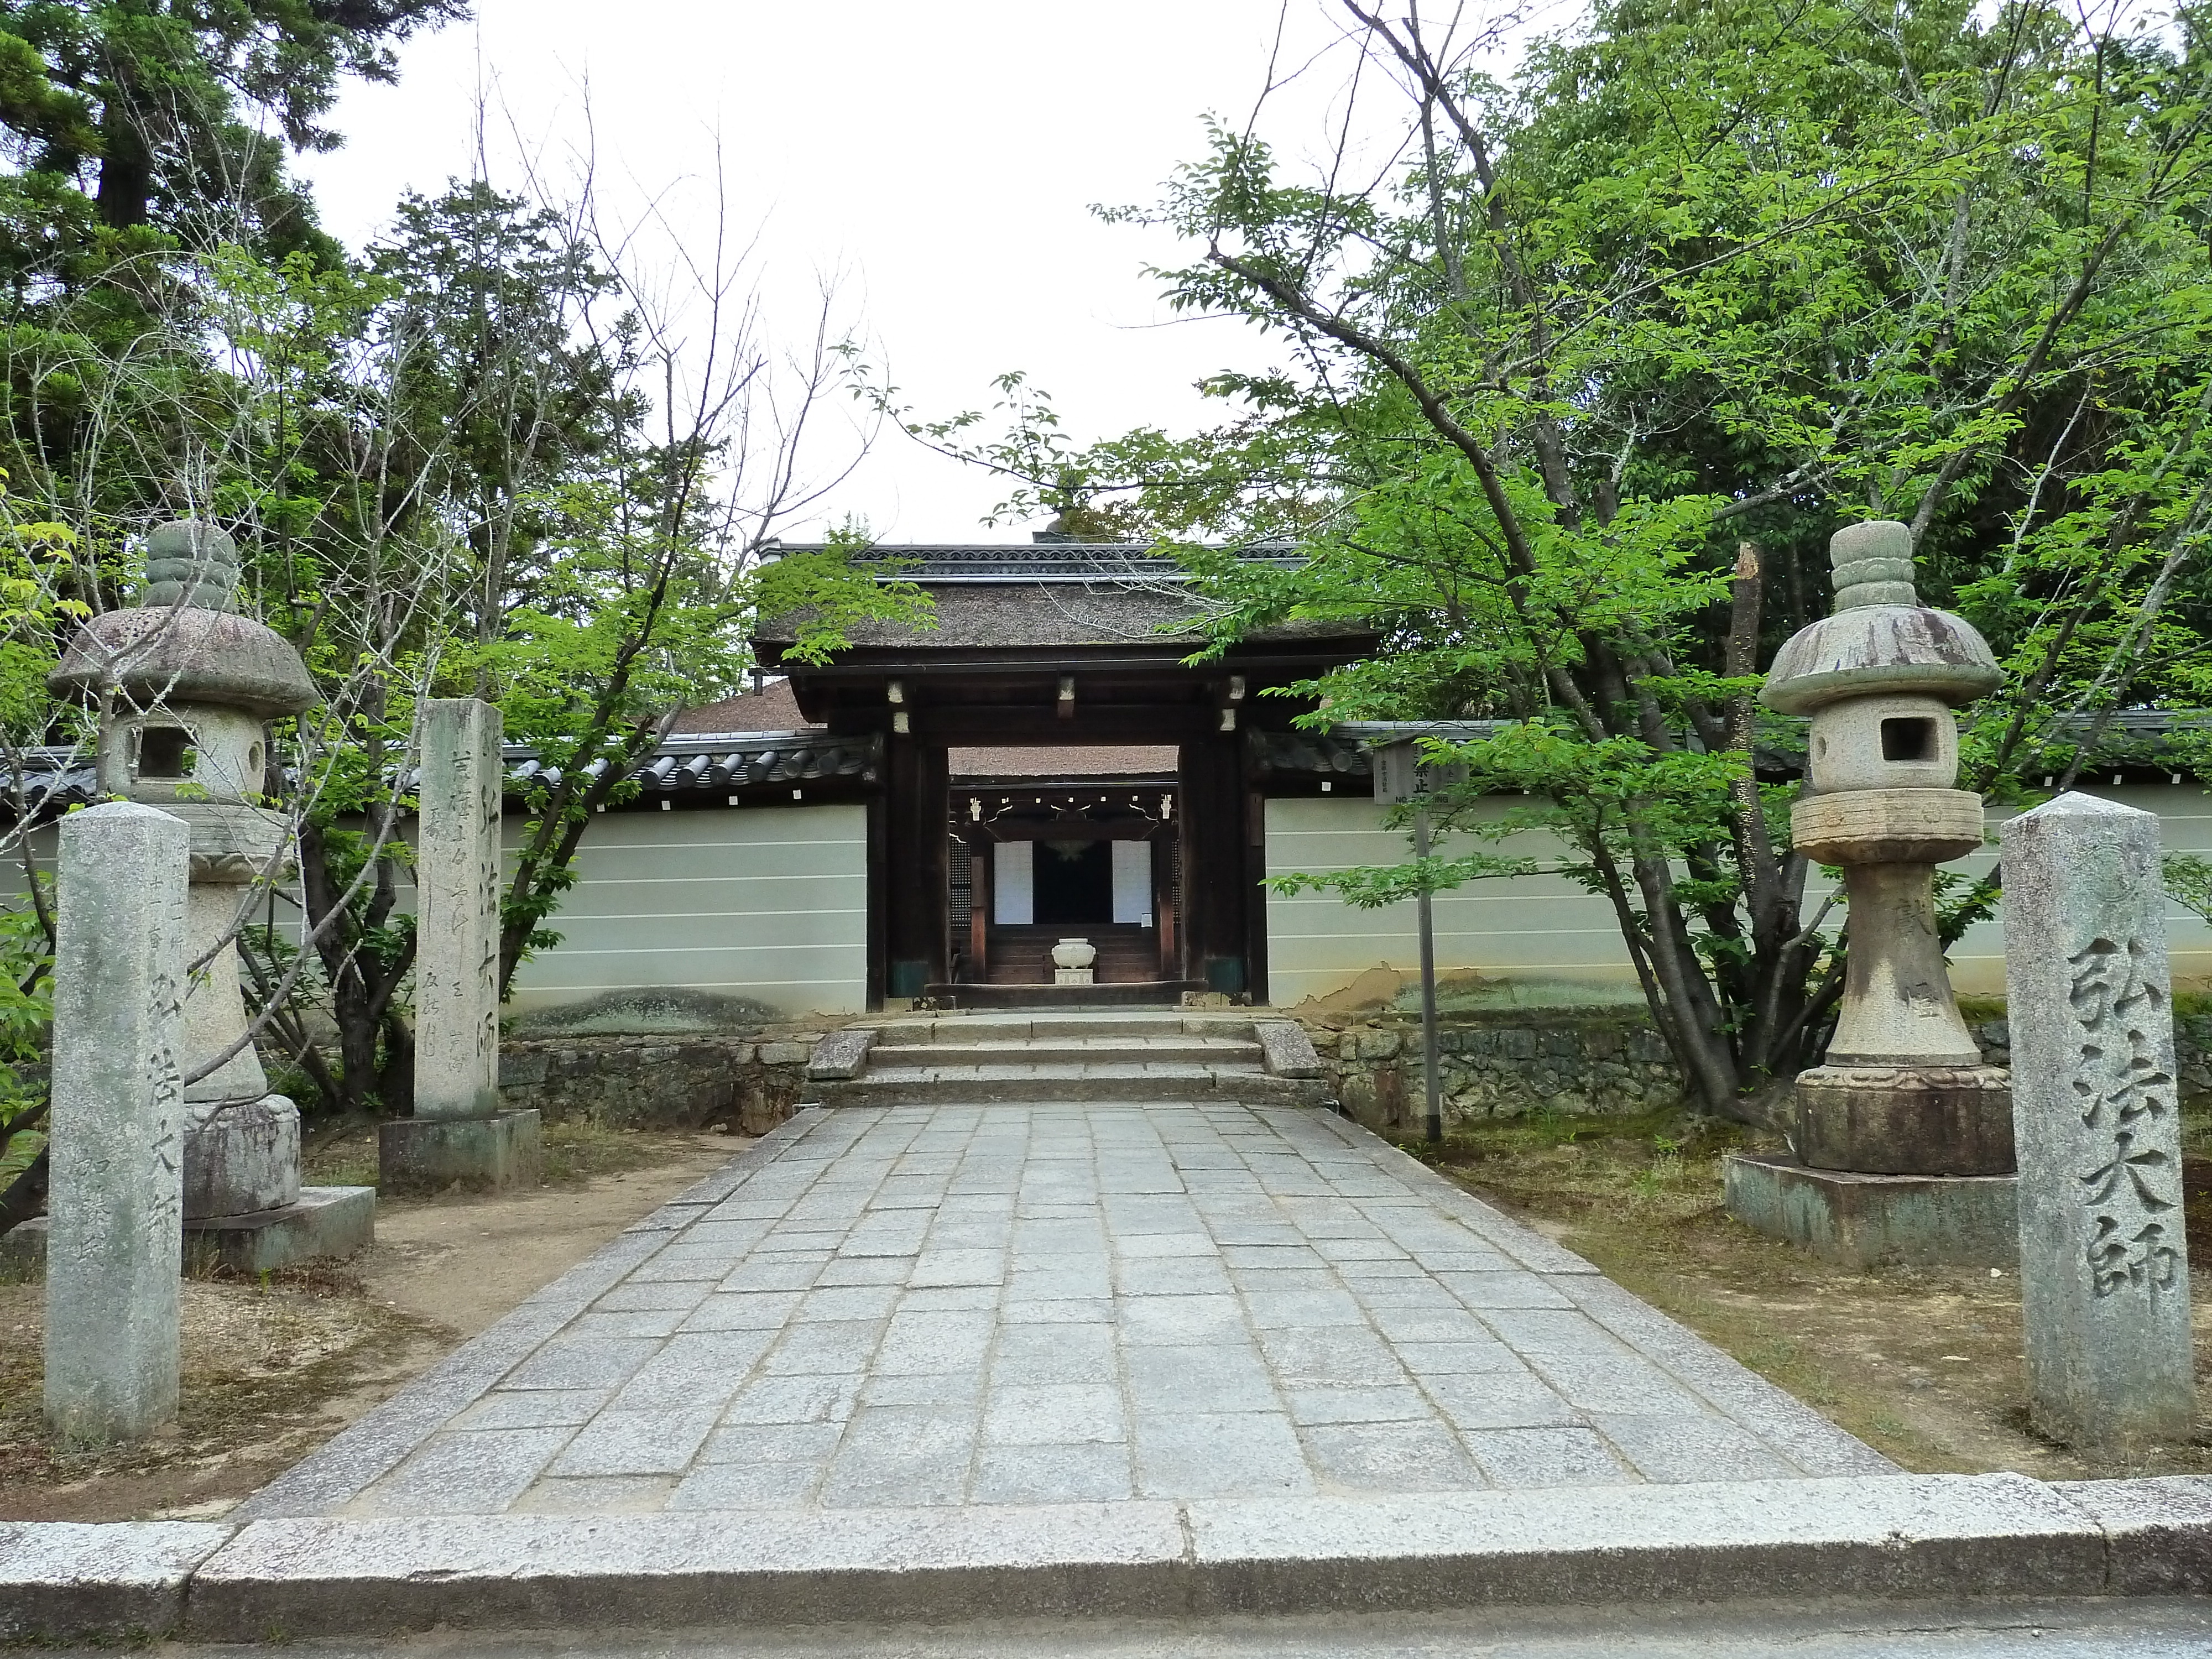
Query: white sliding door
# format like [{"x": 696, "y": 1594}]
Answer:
[
  {"x": 1132, "y": 882},
  {"x": 1013, "y": 884}
]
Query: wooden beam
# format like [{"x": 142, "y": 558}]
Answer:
[{"x": 1039, "y": 726}]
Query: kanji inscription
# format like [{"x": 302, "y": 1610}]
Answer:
[{"x": 2132, "y": 1192}]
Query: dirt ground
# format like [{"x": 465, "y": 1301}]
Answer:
[
  {"x": 1923, "y": 1365},
  {"x": 272, "y": 1369}
]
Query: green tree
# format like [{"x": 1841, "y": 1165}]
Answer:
[
  {"x": 142, "y": 106},
  {"x": 1569, "y": 403}
]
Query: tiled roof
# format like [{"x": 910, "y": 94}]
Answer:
[
  {"x": 56, "y": 779},
  {"x": 773, "y": 708},
  {"x": 1061, "y": 616},
  {"x": 716, "y": 762},
  {"x": 1048, "y": 562}
]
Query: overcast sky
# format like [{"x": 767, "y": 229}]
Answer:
[{"x": 938, "y": 160}]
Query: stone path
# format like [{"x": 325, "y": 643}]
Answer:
[{"x": 877, "y": 1308}]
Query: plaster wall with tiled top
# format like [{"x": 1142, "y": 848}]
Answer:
[{"x": 1545, "y": 929}]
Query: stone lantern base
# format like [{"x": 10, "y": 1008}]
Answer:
[
  {"x": 1859, "y": 1220},
  {"x": 320, "y": 1223},
  {"x": 244, "y": 1206},
  {"x": 1923, "y": 1120},
  {"x": 323, "y": 1222},
  {"x": 477, "y": 1154}
]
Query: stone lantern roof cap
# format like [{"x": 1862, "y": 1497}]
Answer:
[
  {"x": 1881, "y": 639},
  {"x": 185, "y": 642}
]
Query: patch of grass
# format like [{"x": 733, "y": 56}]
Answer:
[
  {"x": 2197, "y": 1126},
  {"x": 579, "y": 1151},
  {"x": 336, "y": 1151},
  {"x": 576, "y": 1150}
]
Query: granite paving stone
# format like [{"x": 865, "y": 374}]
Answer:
[
  {"x": 850, "y": 1267},
  {"x": 615, "y": 1494},
  {"x": 1417, "y": 1456},
  {"x": 743, "y": 1310},
  {"x": 645, "y": 1321},
  {"x": 1180, "y": 1319},
  {"x": 962, "y": 1388},
  {"x": 617, "y": 1441},
  {"x": 638, "y": 1295},
  {"x": 793, "y": 1399},
  {"x": 1053, "y": 1414},
  {"x": 1066, "y": 1310},
  {"x": 1219, "y": 1378},
  {"x": 1025, "y": 1304},
  {"x": 772, "y": 1443},
  {"x": 1547, "y": 1457},
  {"x": 745, "y": 1486},
  {"x": 1400, "y": 1404},
  {"x": 1054, "y": 1354},
  {"x": 533, "y": 1408},
  {"x": 893, "y": 1456},
  {"x": 691, "y": 1368},
  {"x": 927, "y": 1340},
  {"x": 570, "y": 1361},
  {"x": 467, "y": 1472},
  {"x": 1219, "y": 1455},
  {"x": 1515, "y": 1398},
  {"x": 1094, "y": 1473},
  {"x": 1689, "y": 1448},
  {"x": 844, "y": 1303}
]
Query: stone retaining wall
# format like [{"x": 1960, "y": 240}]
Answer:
[
  {"x": 1576, "y": 1062},
  {"x": 1601, "y": 1062},
  {"x": 750, "y": 1082},
  {"x": 2192, "y": 1049},
  {"x": 1504, "y": 1063}
]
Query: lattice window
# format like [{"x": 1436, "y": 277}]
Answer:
[{"x": 961, "y": 898}]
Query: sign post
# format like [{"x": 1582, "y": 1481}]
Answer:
[{"x": 1398, "y": 779}]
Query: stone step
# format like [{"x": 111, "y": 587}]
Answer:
[
  {"x": 1066, "y": 1085},
  {"x": 1175, "y": 1051},
  {"x": 993, "y": 1025}
]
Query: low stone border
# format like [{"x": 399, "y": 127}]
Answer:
[
  {"x": 1896, "y": 1537},
  {"x": 749, "y": 1082},
  {"x": 1498, "y": 1063}
]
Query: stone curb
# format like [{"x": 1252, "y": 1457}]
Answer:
[
  {"x": 60, "y": 1579},
  {"x": 1891, "y": 1537}
]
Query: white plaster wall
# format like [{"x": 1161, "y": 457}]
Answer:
[
  {"x": 767, "y": 903},
  {"x": 1525, "y": 928},
  {"x": 1542, "y": 927},
  {"x": 2184, "y": 812}
]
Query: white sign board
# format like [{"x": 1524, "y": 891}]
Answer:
[
  {"x": 1132, "y": 882},
  {"x": 1013, "y": 884}
]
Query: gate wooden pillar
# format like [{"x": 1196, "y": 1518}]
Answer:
[
  {"x": 1164, "y": 920},
  {"x": 1216, "y": 884},
  {"x": 913, "y": 889}
]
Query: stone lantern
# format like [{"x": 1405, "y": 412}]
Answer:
[
  {"x": 189, "y": 686},
  {"x": 1903, "y": 1137}
]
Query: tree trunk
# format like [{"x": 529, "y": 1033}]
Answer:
[{"x": 126, "y": 168}]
